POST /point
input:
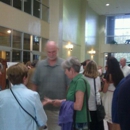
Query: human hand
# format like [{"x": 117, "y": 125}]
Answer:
[
  {"x": 103, "y": 80},
  {"x": 47, "y": 101},
  {"x": 56, "y": 102}
]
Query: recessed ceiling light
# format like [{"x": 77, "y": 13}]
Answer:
[{"x": 107, "y": 4}]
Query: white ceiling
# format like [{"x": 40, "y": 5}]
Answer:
[{"x": 116, "y": 6}]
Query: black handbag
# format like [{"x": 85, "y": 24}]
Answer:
[{"x": 100, "y": 108}]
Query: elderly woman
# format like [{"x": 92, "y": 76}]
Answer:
[
  {"x": 20, "y": 108},
  {"x": 76, "y": 92}
]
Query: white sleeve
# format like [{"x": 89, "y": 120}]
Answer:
[
  {"x": 98, "y": 87},
  {"x": 98, "y": 80}
]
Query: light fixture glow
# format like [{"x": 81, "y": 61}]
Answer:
[
  {"x": 107, "y": 4},
  {"x": 9, "y": 31},
  {"x": 92, "y": 53},
  {"x": 106, "y": 55},
  {"x": 69, "y": 46}
]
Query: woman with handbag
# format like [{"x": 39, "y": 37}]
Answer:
[
  {"x": 77, "y": 92},
  {"x": 92, "y": 75}
]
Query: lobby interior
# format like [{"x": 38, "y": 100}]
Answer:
[
  {"x": 81, "y": 23},
  {"x": 26, "y": 25}
]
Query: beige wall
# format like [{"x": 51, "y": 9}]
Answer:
[
  {"x": 91, "y": 33},
  {"x": 56, "y": 25},
  {"x": 79, "y": 21},
  {"x": 18, "y": 20},
  {"x": 74, "y": 27},
  {"x": 71, "y": 22},
  {"x": 68, "y": 21}
]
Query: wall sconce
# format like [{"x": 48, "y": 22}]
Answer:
[
  {"x": 92, "y": 53},
  {"x": 69, "y": 46},
  {"x": 9, "y": 31}
]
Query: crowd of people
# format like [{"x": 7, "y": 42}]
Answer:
[{"x": 55, "y": 94}]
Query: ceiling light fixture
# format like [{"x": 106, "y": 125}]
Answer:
[{"x": 107, "y": 4}]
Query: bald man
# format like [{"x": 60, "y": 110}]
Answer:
[
  {"x": 125, "y": 69},
  {"x": 50, "y": 81}
]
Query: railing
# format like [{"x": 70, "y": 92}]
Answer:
[{"x": 123, "y": 39}]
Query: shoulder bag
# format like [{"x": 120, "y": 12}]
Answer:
[{"x": 100, "y": 107}]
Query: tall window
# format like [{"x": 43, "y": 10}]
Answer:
[
  {"x": 26, "y": 45},
  {"x": 16, "y": 56},
  {"x": 122, "y": 29},
  {"x": 118, "y": 56},
  {"x": 5, "y": 36},
  {"x": 17, "y": 4},
  {"x": 118, "y": 29},
  {"x": 45, "y": 10},
  {"x": 19, "y": 46},
  {"x": 36, "y": 8},
  {"x": 36, "y": 41},
  {"x": 16, "y": 39},
  {"x": 26, "y": 56},
  {"x": 27, "y": 6},
  {"x": 6, "y": 1}
]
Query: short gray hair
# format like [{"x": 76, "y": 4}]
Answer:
[{"x": 71, "y": 62}]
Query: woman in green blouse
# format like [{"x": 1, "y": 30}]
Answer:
[{"x": 76, "y": 92}]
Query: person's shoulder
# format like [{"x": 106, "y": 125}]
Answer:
[
  {"x": 61, "y": 59},
  {"x": 127, "y": 67},
  {"x": 83, "y": 79},
  {"x": 4, "y": 92},
  {"x": 42, "y": 62},
  {"x": 32, "y": 93},
  {"x": 86, "y": 77},
  {"x": 98, "y": 78}
]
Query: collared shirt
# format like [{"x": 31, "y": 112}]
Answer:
[
  {"x": 13, "y": 117},
  {"x": 51, "y": 81},
  {"x": 78, "y": 84},
  {"x": 126, "y": 70}
]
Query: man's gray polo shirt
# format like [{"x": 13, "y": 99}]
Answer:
[{"x": 51, "y": 81}]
